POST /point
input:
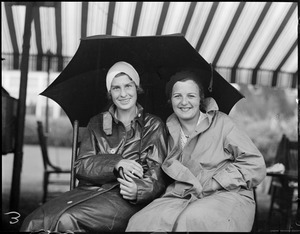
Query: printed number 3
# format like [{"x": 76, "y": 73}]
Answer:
[{"x": 15, "y": 219}]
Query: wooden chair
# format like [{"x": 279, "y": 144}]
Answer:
[
  {"x": 283, "y": 187},
  {"x": 49, "y": 168}
]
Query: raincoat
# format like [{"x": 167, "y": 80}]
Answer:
[
  {"x": 96, "y": 204},
  {"x": 217, "y": 150}
]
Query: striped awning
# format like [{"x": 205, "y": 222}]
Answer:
[{"x": 247, "y": 42}]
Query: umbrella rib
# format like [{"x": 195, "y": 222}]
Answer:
[{"x": 58, "y": 35}]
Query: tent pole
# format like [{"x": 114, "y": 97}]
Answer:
[
  {"x": 18, "y": 154},
  {"x": 49, "y": 56}
]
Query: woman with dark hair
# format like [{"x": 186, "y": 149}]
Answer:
[
  {"x": 214, "y": 166},
  {"x": 118, "y": 165}
]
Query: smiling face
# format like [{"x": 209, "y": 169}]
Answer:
[
  {"x": 186, "y": 100},
  {"x": 123, "y": 92}
]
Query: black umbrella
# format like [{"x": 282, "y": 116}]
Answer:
[{"x": 81, "y": 91}]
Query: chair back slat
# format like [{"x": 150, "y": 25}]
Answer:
[
  {"x": 287, "y": 154},
  {"x": 43, "y": 144},
  {"x": 292, "y": 165},
  {"x": 74, "y": 153}
]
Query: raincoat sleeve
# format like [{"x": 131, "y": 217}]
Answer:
[
  {"x": 248, "y": 167},
  {"x": 153, "y": 182},
  {"x": 92, "y": 167}
]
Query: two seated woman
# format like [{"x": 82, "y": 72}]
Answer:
[{"x": 195, "y": 174}]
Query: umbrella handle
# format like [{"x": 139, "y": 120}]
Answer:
[
  {"x": 121, "y": 173},
  {"x": 211, "y": 78}
]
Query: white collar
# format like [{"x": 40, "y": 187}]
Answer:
[{"x": 201, "y": 117}]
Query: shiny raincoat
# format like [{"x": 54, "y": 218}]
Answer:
[
  {"x": 217, "y": 150},
  {"x": 96, "y": 203}
]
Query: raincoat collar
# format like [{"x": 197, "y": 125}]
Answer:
[
  {"x": 109, "y": 116},
  {"x": 210, "y": 104}
]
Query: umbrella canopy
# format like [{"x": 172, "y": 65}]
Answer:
[{"x": 81, "y": 89}]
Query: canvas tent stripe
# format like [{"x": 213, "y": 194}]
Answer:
[
  {"x": 188, "y": 17},
  {"x": 110, "y": 17},
  {"x": 84, "y": 17},
  {"x": 136, "y": 19},
  {"x": 162, "y": 18},
  {"x": 234, "y": 50},
  {"x": 275, "y": 77},
  {"x": 207, "y": 24},
  {"x": 229, "y": 31},
  {"x": 277, "y": 34},
  {"x": 250, "y": 38}
]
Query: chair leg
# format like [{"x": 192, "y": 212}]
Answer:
[
  {"x": 285, "y": 207},
  {"x": 273, "y": 194},
  {"x": 289, "y": 208},
  {"x": 254, "y": 226},
  {"x": 45, "y": 186}
]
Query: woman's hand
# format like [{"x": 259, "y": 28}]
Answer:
[
  {"x": 128, "y": 188},
  {"x": 130, "y": 167}
]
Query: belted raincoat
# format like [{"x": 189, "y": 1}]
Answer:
[
  {"x": 217, "y": 150},
  {"x": 96, "y": 204}
]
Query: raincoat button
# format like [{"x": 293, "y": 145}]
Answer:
[
  {"x": 69, "y": 202},
  {"x": 139, "y": 115},
  {"x": 112, "y": 151}
]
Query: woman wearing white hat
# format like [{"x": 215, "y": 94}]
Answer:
[{"x": 118, "y": 165}]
